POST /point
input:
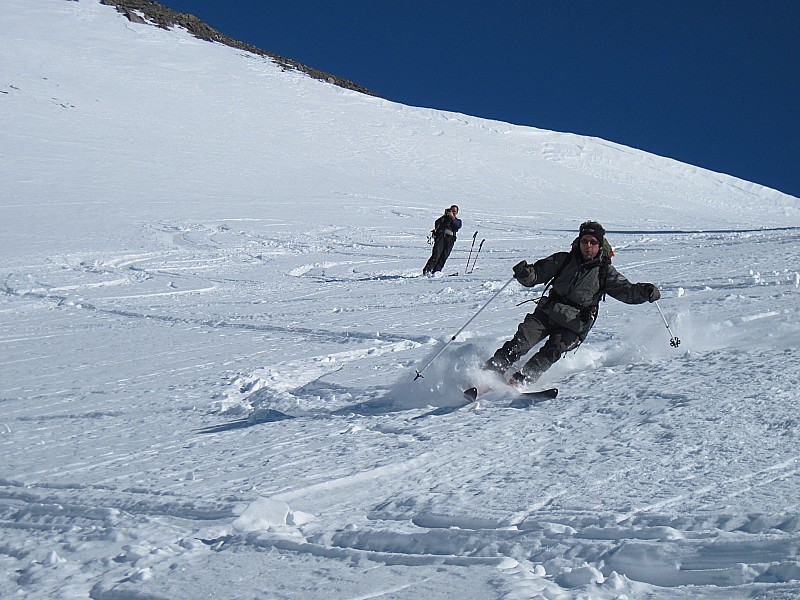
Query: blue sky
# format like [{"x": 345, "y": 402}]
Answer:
[{"x": 714, "y": 84}]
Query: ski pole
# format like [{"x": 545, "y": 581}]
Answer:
[
  {"x": 455, "y": 335},
  {"x": 476, "y": 258},
  {"x": 673, "y": 341},
  {"x": 474, "y": 235}
]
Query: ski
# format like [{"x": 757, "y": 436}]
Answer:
[
  {"x": 471, "y": 394},
  {"x": 547, "y": 394},
  {"x": 521, "y": 400}
]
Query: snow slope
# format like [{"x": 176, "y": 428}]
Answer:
[{"x": 212, "y": 314}]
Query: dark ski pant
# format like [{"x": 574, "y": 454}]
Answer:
[
  {"x": 442, "y": 246},
  {"x": 531, "y": 331}
]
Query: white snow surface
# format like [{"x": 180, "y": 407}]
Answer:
[{"x": 212, "y": 313}]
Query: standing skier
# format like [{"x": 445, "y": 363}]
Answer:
[
  {"x": 444, "y": 236},
  {"x": 579, "y": 278}
]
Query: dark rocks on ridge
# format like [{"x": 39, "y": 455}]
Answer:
[{"x": 161, "y": 16}]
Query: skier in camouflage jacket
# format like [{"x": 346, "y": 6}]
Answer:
[{"x": 580, "y": 279}]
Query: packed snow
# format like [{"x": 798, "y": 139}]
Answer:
[{"x": 213, "y": 311}]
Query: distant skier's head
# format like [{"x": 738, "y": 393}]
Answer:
[
  {"x": 590, "y": 239},
  {"x": 454, "y": 209}
]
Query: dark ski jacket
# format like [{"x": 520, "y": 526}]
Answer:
[
  {"x": 445, "y": 224},
  {"x": 577, "y": 290}
]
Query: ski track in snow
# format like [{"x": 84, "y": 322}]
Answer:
[{"x": 208, "y": 378}]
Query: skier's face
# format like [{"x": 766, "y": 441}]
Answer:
[{"x": 590, "y": 247}]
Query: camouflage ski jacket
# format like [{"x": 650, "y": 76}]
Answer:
[{"x": 577, "y": 288}]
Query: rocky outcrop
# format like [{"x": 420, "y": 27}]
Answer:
[{"x": 144, "y": 11}]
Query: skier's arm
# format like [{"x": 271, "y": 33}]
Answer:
[{"x": 618, "y": 287}]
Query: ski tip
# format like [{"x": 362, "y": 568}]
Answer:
[
  {"x": 471, "y": 394},
  {"x": 548, "y": 394}
]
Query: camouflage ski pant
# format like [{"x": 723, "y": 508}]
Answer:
[{"x": 531, "y": 331}]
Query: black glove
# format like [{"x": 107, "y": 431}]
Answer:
[
  {"x": 522, "y": 270},
  {"x": 651, "y": 292}
]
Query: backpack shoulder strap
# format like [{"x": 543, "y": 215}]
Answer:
[
  {"x": 559, "y": 271},
  {"x": 602, "y": 276}
]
